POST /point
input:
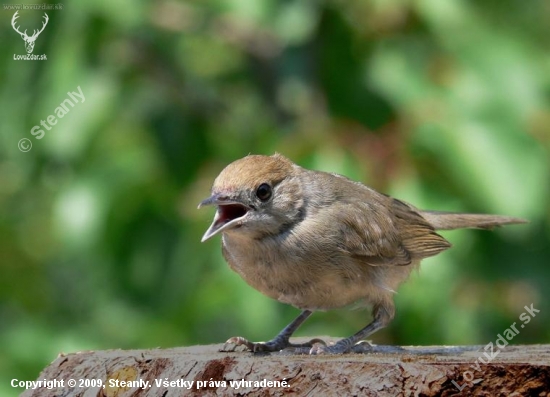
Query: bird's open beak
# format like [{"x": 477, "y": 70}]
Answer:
[{"x": 229, "y": 214}]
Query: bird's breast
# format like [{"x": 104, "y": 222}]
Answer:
[{"x": 305, "y": 279}]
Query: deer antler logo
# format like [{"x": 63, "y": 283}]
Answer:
[{"x": 29, "y": 40}]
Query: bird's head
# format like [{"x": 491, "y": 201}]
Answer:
[{"x": 256, "y": 196}]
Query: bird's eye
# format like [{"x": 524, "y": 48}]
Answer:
[{"x": 263, "y": 192}]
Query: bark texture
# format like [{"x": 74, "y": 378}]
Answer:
[{"x": 382, "y": 371}]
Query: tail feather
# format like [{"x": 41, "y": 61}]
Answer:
[{"x": 451, "y": 220}]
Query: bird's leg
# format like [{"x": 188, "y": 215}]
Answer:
[
  {"x": 280, "y": 342},
  {"x": 382, "y": 313}
]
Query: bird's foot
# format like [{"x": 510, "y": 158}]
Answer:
[
  {"x": 276, "y": 344},
  {"x": 341, "y": 347},
  {"x": 232, "y": 343}
]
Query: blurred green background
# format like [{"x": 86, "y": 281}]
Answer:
[{"x": 444, "y": 104}]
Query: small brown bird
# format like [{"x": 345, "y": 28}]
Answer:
[{"x": 321, "y": 241}]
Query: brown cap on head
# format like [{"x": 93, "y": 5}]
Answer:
[{"x": 253, "y": 170}]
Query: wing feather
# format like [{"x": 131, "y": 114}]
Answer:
[{"x": 387, "y": 232}]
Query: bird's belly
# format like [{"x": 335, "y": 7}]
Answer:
[{"x": 288, "y": 279}]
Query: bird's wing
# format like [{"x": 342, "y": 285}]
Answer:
[
  {"x": 387, "y": 233},
  {"x": 417, "y": 234}
]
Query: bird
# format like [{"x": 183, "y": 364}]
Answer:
[{"x": 320, "y": 241}]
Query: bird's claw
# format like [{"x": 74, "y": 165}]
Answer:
[
  {"x": 362, "y": 347},
  {"x": 341, "y": 348},
  {"x": 323, "y": 349},
  {"x": 232, "y": 343},
  {"x": 256, "y": 347},
  {"x": 274, "y": 345}
]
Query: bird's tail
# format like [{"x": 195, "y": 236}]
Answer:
[{"x": 451, "y": 220}]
